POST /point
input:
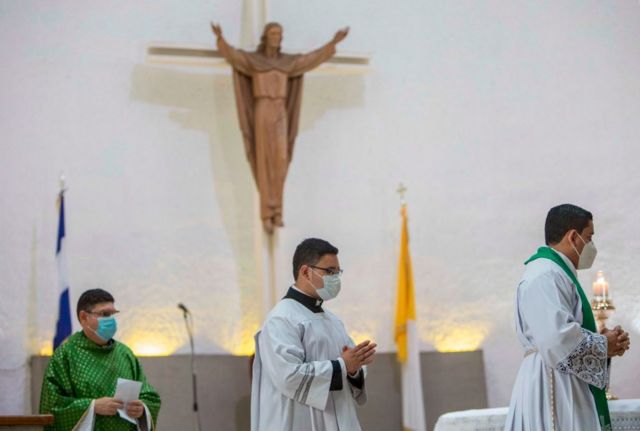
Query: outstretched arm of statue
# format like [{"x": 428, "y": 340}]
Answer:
[
  {"x": 234, "y": 56},
  {"x": 340, "y": 36},
  {"x": 307, "y": 62}
]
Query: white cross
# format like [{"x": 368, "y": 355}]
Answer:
[
  {"x": 256, "y": 16},
  {"x": 253, "y": 22}
]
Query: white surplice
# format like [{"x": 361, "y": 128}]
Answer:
[
  {"x": 551, "y": 391},
  {"x": 293, "y": 371}
]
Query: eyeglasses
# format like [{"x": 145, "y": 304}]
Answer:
[
  {"x": 104, "y": 313},
  {"x": 330, "y": 271}
]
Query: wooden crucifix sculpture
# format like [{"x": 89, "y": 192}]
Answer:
[{"x": 268, "y": 91}]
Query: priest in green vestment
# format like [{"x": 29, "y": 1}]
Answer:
[
  {"x": 80, "y": 381},
  {"x": 566, "y": 359}
]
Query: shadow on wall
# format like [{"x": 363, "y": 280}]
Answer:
[{"x": 205, "y": 102}]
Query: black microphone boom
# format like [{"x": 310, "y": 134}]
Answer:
[{"x": 188, "y": 321}]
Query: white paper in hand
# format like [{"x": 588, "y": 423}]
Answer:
[{"x": 127, "y": 391}]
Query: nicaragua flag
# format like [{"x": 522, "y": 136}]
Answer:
[
  {"x": 406, "y": 337},
  {"x": 63, "y": 327}
]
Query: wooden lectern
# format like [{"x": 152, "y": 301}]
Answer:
[{"x": 25, "y": 423}]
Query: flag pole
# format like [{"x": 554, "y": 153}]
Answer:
[
  {"x": 413, "y": 415},
  {"x": 402, "y": 190},
  {"x": 64, "y": 325},
  {"x": 62, "y": 183},
  {"x": 63, "y": 188}
]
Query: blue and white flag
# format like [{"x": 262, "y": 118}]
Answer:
[{"x": 63, "y": 327}]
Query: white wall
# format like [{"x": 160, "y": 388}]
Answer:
[{"x": 490, "y": 112}]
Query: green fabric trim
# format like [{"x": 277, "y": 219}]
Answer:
[{"x": 588, "y": 323}]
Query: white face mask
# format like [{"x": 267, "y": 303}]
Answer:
[
  {"x": 588, "y": 255},
  {"x": 330, "y": 287}
]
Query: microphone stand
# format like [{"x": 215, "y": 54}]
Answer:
[{"x": 188, "y": 321}]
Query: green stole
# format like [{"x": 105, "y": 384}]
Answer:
[{"x": 588, "y": 323}]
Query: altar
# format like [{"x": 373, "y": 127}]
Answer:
[{"x": 625, "y": 415}]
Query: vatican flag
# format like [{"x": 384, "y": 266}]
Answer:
[{"x": 406, "y": 337}]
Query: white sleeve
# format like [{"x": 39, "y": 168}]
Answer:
[
  {"x": 357, "y": 383},
  {"x": 545, "y": 304},
  {"x": 283, "y": 363},
  {"x": 359, "y": 392},
  {"x": 88, "y": 418},
  {"x": 588, "y": 361},
  {"x": 145, "y": 423}
]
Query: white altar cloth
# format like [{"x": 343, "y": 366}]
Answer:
[{"x": 625, "y": 416}]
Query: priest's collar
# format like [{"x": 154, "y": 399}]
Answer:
[
  {"x": 570, "y": 264},
  {"x": 311, "y": 303},
  {"x": 88, "y": 344}
]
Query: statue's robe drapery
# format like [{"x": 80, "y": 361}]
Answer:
[{"x": 268, "y": 94}]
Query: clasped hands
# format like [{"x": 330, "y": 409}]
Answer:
[
  {"x": 108, "y": 406},
  {"x": 618, "y": 341},
  {"x": 362, "y": 354}
]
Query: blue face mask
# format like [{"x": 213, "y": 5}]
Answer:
[{"x": 107, "y": 327}]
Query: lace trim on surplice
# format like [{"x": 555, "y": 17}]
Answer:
[{"x": 588, "y": 361}]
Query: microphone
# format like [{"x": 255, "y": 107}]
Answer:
[{"x": 188, "y": 321}]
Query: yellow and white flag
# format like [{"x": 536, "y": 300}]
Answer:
[{"x": 406, "y": 337}]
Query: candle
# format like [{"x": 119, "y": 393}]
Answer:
[{"x": 601, "y": 286}]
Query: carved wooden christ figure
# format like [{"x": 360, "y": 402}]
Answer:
[{"x": 268, "y": 91}]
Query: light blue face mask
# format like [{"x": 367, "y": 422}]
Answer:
[
  {"x": 330, "y": 288},
  {"x": 107, "y": 327}
]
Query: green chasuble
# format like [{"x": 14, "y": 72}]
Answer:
[
  {"x": 588, "y": 323},
  {"x": 80, "y": 371}
]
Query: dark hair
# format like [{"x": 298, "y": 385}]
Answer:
[
  {"x": 309, "y": 252},
  {"x": 562, "y": 219},
  {"x": 91, "y": 298}
]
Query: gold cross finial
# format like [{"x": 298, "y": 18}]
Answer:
[{"x": 402, "y": 190}]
